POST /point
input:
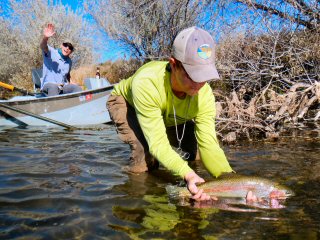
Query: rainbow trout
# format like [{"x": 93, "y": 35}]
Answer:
[{"x": 237, "y": 188}]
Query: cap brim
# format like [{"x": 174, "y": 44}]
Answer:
[{"x": 202, "y": 73}]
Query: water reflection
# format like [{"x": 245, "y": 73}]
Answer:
[{"x": 57, "y": 184}]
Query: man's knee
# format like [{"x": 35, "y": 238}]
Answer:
[
  {"x": 71, "y": 88},
  {"x": 51, "y": 89},
  {"x": 129, "y": 131}
]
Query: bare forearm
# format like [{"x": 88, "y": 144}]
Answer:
[{"x": 44, "y": 44}]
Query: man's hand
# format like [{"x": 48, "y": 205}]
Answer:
[
  {"x": 192, "y": 178},
  {"x": 49, "y": 31}
]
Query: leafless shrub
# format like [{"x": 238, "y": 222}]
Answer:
[
  {"x": 268, "y": 112},
  {"x": 13, "y": 53},
  {"x": 282, "y": 58},
  {"x": 146, "y": 29},
  {"x": 271, "y": 71},
  {"x": 273, "y": 79}
]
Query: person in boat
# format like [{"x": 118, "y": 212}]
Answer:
[
  {"x": 166, "y": 112},
  {"x": 56, "y": 66}
]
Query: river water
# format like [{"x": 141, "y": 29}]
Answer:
[{"x": 58, "y": 184}]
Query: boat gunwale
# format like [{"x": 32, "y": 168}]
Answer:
[{"x": 57, "y": 97}]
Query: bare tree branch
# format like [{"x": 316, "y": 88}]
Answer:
[
  {"x": 146, "y": 28},
  {"x": 304, "y": 15}
]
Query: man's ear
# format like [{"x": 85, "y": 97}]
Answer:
[{"x": 173, "y": 62}]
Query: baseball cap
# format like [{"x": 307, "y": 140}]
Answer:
[{"x": 195, "y": 49}]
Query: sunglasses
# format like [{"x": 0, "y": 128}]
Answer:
[{"x": 68, "y": 45}]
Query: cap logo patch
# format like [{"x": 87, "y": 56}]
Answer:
[{"x": 204, "y": 51}]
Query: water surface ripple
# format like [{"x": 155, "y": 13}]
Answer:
[{"x": 58, "y": 184}]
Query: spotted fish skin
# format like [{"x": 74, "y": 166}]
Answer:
[{"x": 236, "y": 187}]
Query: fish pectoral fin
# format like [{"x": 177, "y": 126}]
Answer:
[{"x": 240, "y": 208}]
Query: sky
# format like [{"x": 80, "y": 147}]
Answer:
[
  {"x": 74, "y": 4},
  {"x": 112, "y": 53}
]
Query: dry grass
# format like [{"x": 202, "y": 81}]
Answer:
[
  {"x": 78, "y": 75},
  {"x": 113, "y": 71}
]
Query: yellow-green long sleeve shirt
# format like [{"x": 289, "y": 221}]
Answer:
[{"x": 149, "y": 92}]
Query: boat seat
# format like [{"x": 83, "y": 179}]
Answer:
[
  {"x": 36, "y": 76},
  {"x": 93, "y": 83}
]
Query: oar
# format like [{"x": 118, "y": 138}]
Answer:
[
  {"x": 37, "y": 116},
  {"x": 13, "y": 88}
]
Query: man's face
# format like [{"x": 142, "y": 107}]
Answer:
[
  {"x": 65, "y": 50},
  {"x": 184, "y": 83}
]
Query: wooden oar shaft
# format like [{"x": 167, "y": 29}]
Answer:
[
  {"x": 7, "y": 86},
  {"x": 37, "y": 116}
]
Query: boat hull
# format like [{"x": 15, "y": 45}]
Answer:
[{"x": 75, "y": 109}]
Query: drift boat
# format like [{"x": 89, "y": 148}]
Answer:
[{"x": 80, "y": 109}]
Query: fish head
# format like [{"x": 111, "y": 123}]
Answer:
[{"x": 280, "y": 193}]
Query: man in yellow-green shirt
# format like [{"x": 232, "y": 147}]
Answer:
[{"x": 166, "y": 111}]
